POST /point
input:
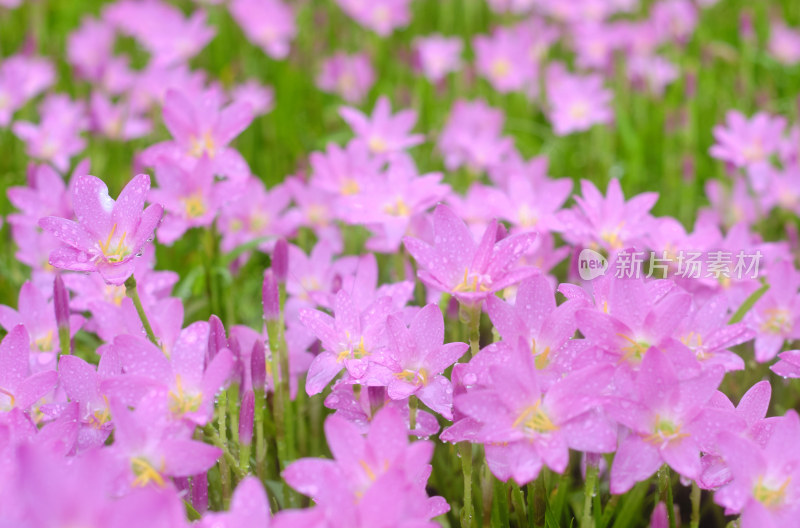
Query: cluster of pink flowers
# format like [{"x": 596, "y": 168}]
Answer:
[{"x": 125, "y": 435}]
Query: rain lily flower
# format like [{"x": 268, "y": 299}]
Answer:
[
  {"x": 417, "y": 359},
  {"x": 765, "y": 481},
  {"x": 19, "y": 389},
  {"x": 150, "y": 449},
  {"x": 674, "y": 19},
  {"x": 161, "y": 29},
  {"x": 22, "y": 78},
  {"x": 500, "y": 59},
  {"x": 311, "y": 277},
  {"x": 578, "y": 102},
  {"x": 523, "y": 428},
  {"x": 189, "y": 387},
  {"x": 469, "y": 271},
  {"x": 260, "y": 98},
  {"x": 249, "y": 212},
  {"x": 381, "y": 16},
  {"x": 82, "y": 384},
  {"x": 775, "y": 318},
  {"x": 90, "y": 48},
  {"x": 344, "y": 172},
  {"x": 37, "y": 313},
  {"x": 383, "y": 132},
  {"x": 201, "y": 126},
  {"x": 745, "y": 143},
  {"x": 268, "y": 24},
  {"x": 108, "y": 234},
  {"x": 438, "y": 55},
  {"x": 190, "y": 199},
  {"x": 116, "y": 121},
  {"x": 548, "y": 329},
  {"x": 249, "y": 507},
  {"x": 784, "y": 43},
  {"x": 607, "y": 222},
  {"x": 349, "y": 338},
  {"x": 349, "y": 76},
  {"x": 669, "y": 420},
  {"x": 56, "y": 139},
  {"x": 377, "y": 480},
  {"x": 472, "y": 137}
]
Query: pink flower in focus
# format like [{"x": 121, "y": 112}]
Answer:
[
  {"x": 108, "y": 234},
  {"x": 457, "y": 265}
]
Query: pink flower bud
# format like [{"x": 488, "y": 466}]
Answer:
[
  {"x": 270, "y": 297},
  {"x": 258, "y": 365},
  {"x": 61, "y": 302},
  {"x": 246, "y": 418},
  {"x": 280, "y": 261}
]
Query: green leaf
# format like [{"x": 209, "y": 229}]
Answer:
[
  {"x": 748, "y": 304},
  {"x": 632, "y": 505},
  {"x": 236, "y": 252}
]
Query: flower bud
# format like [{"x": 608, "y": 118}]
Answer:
[
  {"x": 246, "y": 418},
  {"x": 270, "y": 297},
  {"x": 280, "y": 261},
  {"x": 216, "y": 337},
  {"x": 258, "y": 365},
  {"x": 61, "y": 302}
]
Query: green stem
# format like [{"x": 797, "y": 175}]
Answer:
[
  {"x": 133, "y": 293},
  {"x": 412, "y": 412},
  {"x": 588, "y": 494},
  {"x": 695, "y": 505},
  {"x": 261, "y": 444},
  {"x": 212, "y": 436},
  {"x": 467, "y": 512},
  {"x": 64, "y": 340},
  {"x": 747, "y": 304}
]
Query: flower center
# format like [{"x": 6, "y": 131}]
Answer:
[
  {"x": 778, "y": 321},
  {"x": 145, "y": 473},
  {"x": 534, "y": 421},
  {"x": 193, "y": 205},
  {"x": 349, "y": 187},
  {"x": 202, "y": 145},
  {"x": 416, "y": 377},
  {"x": 114, "y": 251},
  {"x": 114, "y": 294},
  {"x": 664, "y": 431},
  {"x": 634, "y": 351},
  {"x": 501, "y": 68},
  {"x": 398, "y": 208},
  {"x": 180, "y": 402},
  {"x": 357, "y": 352},
  {"x": 44, "y": 343},
  {"x": 7, "y": 400},
  {"x": 473, "y": 282},
  {"x": 377, "y": 145},
  {"x": 768, "y": 496}
]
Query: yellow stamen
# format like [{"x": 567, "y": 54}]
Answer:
[
  {"x": 181, "y": 403},
  {"x": 145, "y": 473},
  {"x": 118, "y": 252},
  {"x": 778, "y": 321},
  {"x": 45, "y": 343},
  {"x": 633, "y": 352},
  {"x": 367, "y": 470},
  {"x": 770, "y": 497},
  {"x": 534, "y": 420},
  {"x": 193, "y": 205},
  {"x": 98, "y": 418},
  {"x": 13, "y": 401},
  {"x": 665, "y": 431}
]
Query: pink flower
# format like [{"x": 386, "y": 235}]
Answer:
[
  {"x": 116, "y": 121},
  {"x": 161, "y": 29},
  {"x": 417, "y": 359},
  {"x": 765, "y": 481},
  {"x": 472, "y": 136},
  {"x": 523, "y": 428},
  {"x": 784, "y": 43},
  {"x": 608, "y": 222},
  {"x": 501, "y": 58},
  {"x": 22, "y": 78},
  {"x": 90, "y": 48},
  {"x": 268, "y": 24},
  {"x": 775, "y": 318},
  {"x": 381, "y": 16},
  {"x": 382, "y": 132},
  {"x": 249, "y": 507},
  {"x": 251, "y": 212},
  {"x": 19, "y": 388},
  {"x": 108, "y": 234},
  {"x": 469, "y": 271},
  {"x": 578, "y": 102},
  {"x": 377, "y": 480},
  {"x": 201, "y": 126},
  {"x": 261, "y": 98},
  {"x": 348, "y": 339},
  {"x": 349, "y": 76},
  {"x": 670, "y": 422},
  {"x": 744, "y": 142},
  {"x": 438, "y": 55},
  {"x": 56, "y": 138}
]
